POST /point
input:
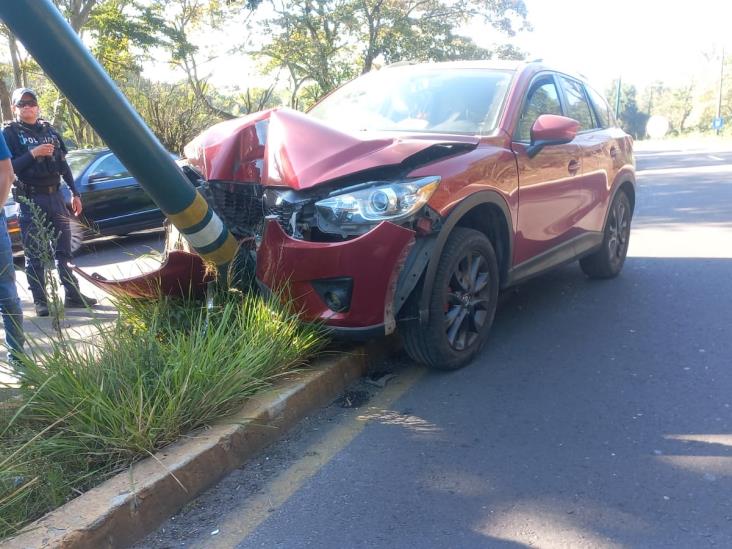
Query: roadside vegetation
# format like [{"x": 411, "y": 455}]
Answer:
[
  {"x": 89, "y": 409},
  {"x": 300, "y": 50}
]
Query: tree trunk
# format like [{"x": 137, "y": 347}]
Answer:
[
  {"x": 683, "y": 119},
  {"x": 15, "y": 60},
  {"x": 5, "y": 110},
  {"x": 58, "y": 109}
]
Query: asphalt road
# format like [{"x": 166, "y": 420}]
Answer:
[{"x": 599, "y": 414}]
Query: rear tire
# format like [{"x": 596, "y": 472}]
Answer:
[
  {"x": 608, "y": 261},
  {"x": 462, "y": 304}
]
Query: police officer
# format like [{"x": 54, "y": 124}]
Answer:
[{"x": 39, "y": 160}]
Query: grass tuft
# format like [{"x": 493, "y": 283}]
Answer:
[{"x": 90, "y": 409}]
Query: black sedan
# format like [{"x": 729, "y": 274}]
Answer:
[{"x": 114, "y": 202}]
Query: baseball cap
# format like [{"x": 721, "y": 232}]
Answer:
[{"x": 20, "y": 92}]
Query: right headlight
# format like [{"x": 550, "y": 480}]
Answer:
[{"x": 356, "y": 212}]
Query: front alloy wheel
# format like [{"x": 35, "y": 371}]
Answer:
[
  {"x": 467, "y": 301},
  {"x": 462, "y": 303}
]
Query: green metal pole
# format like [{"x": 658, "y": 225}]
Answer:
[{"x": 64, "y": 58}]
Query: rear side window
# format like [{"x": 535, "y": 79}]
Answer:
[
  {"x": 112, "y": 167},
  {"x": 577, "y": 105},
  {"x": 543, "y": 98},
  {"x": 602, "y": 109}
]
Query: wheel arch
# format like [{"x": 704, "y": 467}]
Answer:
[
  {"x": 628, "y": 188},
  {"x": 485, "y": 211},
  {"x": 626, "y": 185}
]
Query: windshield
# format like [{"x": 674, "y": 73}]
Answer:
[
  {"x": 419, "y": 99},
  {"x": 79, "y": 160}
]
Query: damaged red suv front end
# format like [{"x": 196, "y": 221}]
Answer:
[{"x": 331, "y": 215}]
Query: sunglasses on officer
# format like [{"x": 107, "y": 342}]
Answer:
[{"x": 26, "y": 103}]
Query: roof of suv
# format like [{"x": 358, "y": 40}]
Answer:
[
  {"x": 501, "y": 64},
  {"x": 479, "y": 64}
]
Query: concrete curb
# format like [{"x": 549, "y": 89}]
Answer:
[{"x": 132, "y": 504}]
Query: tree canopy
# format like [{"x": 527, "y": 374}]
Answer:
[
  {"x": 327, "y": 42},
  {"x": 306, "y": 48}
]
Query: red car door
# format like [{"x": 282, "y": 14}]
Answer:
[
  {"x": 548, "y": 182},
  {"x": 595, "y": 142}
]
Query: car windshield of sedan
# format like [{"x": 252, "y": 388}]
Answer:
[
  {"x": 418, "y": 99},
  {"x": 79, "y": 160}
]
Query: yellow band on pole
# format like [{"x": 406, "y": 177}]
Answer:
[
  {"x": 225, "y": 253},
  {"x": 192, "y": 215}
]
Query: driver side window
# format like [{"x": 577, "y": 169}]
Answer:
[
  {"x": 543, "y": 98},
  {"x": 112, "y": 168}
]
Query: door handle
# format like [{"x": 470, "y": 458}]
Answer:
[
  {"x": 613, "y": 152},
  {"x": 573, "y": 166}
]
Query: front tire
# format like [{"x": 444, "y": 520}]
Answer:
[
  {"x": 462, "y": 304},
  {"x": 608, "y": 261}
]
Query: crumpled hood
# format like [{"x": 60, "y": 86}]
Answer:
[{"x": 284, "y": 147}]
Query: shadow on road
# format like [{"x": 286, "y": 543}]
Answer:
[{"x": 604, "y": 410}]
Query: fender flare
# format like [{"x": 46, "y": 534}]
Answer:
[
  {"x": 623, "y": 177},
  {"x": 477, "y": 199}
]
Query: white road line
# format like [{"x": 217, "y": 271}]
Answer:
[
  {"x": 724, "y": 168},
  {"x": 646, "y": 154}
]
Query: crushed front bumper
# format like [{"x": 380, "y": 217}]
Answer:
[{"x": 365, "y": 271}]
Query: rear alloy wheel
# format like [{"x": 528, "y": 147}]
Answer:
[
  {"x": 462, "y": 303},
  {"x": 607, "y": 262}
]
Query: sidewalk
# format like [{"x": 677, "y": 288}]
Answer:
[{"x": 79, "y": 324}]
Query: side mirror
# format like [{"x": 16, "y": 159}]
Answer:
[
  {"x": 551, "y": 129},
  {"x": 98, "y": 176}
]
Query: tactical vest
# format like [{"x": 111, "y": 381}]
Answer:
[{"x": 29, "y": 137}]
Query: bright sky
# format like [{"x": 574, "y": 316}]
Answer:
[{"x": 642, "y": 40}]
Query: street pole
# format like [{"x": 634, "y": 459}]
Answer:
[
  {"x": 719, "y": 104},
  {"x": 617, "y": 98},
  {"x": 54, "y": 45}
]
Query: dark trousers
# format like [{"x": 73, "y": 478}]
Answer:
[
  {"x": 39, "y": 250},
  {"x": 10, "y": 308}
]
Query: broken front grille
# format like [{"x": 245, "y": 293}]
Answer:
[
  {"x": 238, "y": 204},
  {"x": 284, "y": 213},
  {"x": 243, "y": 210}
]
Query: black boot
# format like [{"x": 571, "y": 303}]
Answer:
[
  {"x": 41, "y": 308},
  {"x": 79, "y": 301}
]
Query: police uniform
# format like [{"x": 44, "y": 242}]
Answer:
[{"x": 39, "y": 181}]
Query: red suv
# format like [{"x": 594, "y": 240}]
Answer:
[{"x": 410, "y": 196}]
